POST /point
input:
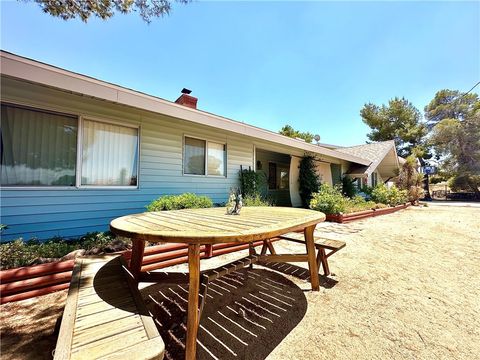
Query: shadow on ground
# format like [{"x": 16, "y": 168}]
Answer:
[{"x": 247, "y": 314}]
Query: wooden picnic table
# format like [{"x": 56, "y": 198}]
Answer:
[{"x": 197, "y": 227}]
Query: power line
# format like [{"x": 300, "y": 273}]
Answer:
[{"x": 474, "y": 86}]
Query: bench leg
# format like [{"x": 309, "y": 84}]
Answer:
[
  {"x": 271, "y": 248},
  {"x": 193, "y": 295},
  {"x": 322, "y": 258},
  {"x": 251, "y": 252},
  {"x": 138, "y": 248},
  {"x": 312, "y": 264}
]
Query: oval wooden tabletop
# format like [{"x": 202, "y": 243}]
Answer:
[{"x": 213, "y": 225}]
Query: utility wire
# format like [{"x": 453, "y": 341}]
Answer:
[{"x": 474, "y": 86}]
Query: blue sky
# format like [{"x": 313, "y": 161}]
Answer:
[{"x": 309, "y": 64}]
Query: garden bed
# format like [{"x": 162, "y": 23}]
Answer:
[
  {"x": 342, "y": 218},
  {"x": 31, "y": 281}
]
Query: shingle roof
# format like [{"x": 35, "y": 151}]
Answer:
[{"x": 374, "y": 152}]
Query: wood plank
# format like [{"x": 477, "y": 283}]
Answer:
[
  {"x": 149, "y": 349},
  {"x": 65, "y": 336},
  {"x": 122, "y": 340},
  {"x": 284, "y": 258}
]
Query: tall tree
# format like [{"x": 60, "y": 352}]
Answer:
[
  {"x": 399, "y": 121},
  {"x": 289, "y": 131},
  {"x": 105, "y": 9},
  {"x": 455, "y": 122}
]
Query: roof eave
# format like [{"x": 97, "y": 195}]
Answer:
[{"x": 33, "y": 71}]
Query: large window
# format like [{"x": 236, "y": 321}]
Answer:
[
  {"x": 39, "y": 148},
  {"x": 200, "y": 155},
  {"x": 109, "y": 154}
]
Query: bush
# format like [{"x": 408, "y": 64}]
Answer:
[
  {"x": 348, "y": 187},
  {"x": 308, "y": 178},
  {"x": 255, "y": 200},
  {"x": 390, "y": 196},
  {"x": 251, "y": 182},
  {"x": 177, "y": 202},
  {"x": 328, "y": 200},
  {"x": 19, "y": 253}
]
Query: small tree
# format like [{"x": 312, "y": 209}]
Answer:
[
  {"x": 309, "y": 180},
  {"x": 251, "y": 182},
  {"x": 348, "y": 187},
  {"x": 410, "y": 180}
]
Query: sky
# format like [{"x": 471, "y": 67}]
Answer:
[{"x": 312, "y": 65}]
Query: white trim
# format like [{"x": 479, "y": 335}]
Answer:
[{"x": 37, "y": 72}]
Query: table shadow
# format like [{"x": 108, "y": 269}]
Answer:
[{"x": 247, "y": 314}]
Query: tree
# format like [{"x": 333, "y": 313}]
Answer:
[
  {"x": 455, "y": 136},
  {"x": 450, "y": 104},
  {"x": 308, "y": 179},
  {"x": 399, "y": 121},
  {"x": 105, "y": 9},
  {"x": 289, "y": 131},
  {"x": 410, "y": 180}
]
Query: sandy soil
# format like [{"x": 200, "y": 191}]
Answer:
[{"x": 407, "y": 286}]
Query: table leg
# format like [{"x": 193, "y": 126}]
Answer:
[
  {"x": 312, "y": 264},
  {"x": 138, "y": 247},
  {"x": 193, "y": 291}
]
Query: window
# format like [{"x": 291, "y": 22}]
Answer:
[
  {"x": 39, "y": 148},
  {"x": 200, "y": 155},
  {"x": 374, "y": 179},
  {"x": 216, "y": 159},
  {"x": 109, "y": 154}
]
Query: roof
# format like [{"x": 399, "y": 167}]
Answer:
[
  {"x": 373, "y": 152},
  {"x": 37, "y": 72}
]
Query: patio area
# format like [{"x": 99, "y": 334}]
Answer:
[{"x": 405, "y": 286}]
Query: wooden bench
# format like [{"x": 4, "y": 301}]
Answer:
[
  {"x": 320, "y": 244},
  {"x": 105, "y": 316}
]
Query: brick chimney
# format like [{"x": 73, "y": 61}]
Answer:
[{"x": 186, "y": 100}]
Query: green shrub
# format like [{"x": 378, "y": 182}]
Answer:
[
  {"x": 308, "y": 178},
  {"x": 251, "y": 182},
  {"x": 19, "y": 253},
  {"x": 183, "y": 201},
  {"x": 255, "y": 200},
  {"x": 348, "y": 187},
  {"x": 328, "y": 200},
  {"x": 390, "y": 196}
]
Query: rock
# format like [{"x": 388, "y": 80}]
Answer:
[
  {"x": 74, "y": 254},
  {"x": 42, "y": 260},
  {"x": 115, "y": 246},
  {"x": 94, "y": 251}
]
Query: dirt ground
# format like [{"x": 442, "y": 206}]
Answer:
[{"x": 407, "y": 286}]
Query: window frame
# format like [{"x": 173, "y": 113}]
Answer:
[
  {"x": 207, "y": 141},
  {"x": 78, "y": 168}
]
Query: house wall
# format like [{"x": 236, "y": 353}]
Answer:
[{"x": 72, "y": 212}]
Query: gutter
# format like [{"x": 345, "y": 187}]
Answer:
[{"x": 29, "y": 70}]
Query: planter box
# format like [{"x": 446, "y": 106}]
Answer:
[
  {"x": 31, "y": 281},
  {"x": 342, "y": 218}
]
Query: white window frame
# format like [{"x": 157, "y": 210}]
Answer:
[
  {"x": 207, "y": 141},
  {"x": 78, "y": 165}
]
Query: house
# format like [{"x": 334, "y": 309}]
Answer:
[{"x": 78, "y": 152}]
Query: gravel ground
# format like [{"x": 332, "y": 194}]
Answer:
[{"x": 407, "y": 286}]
